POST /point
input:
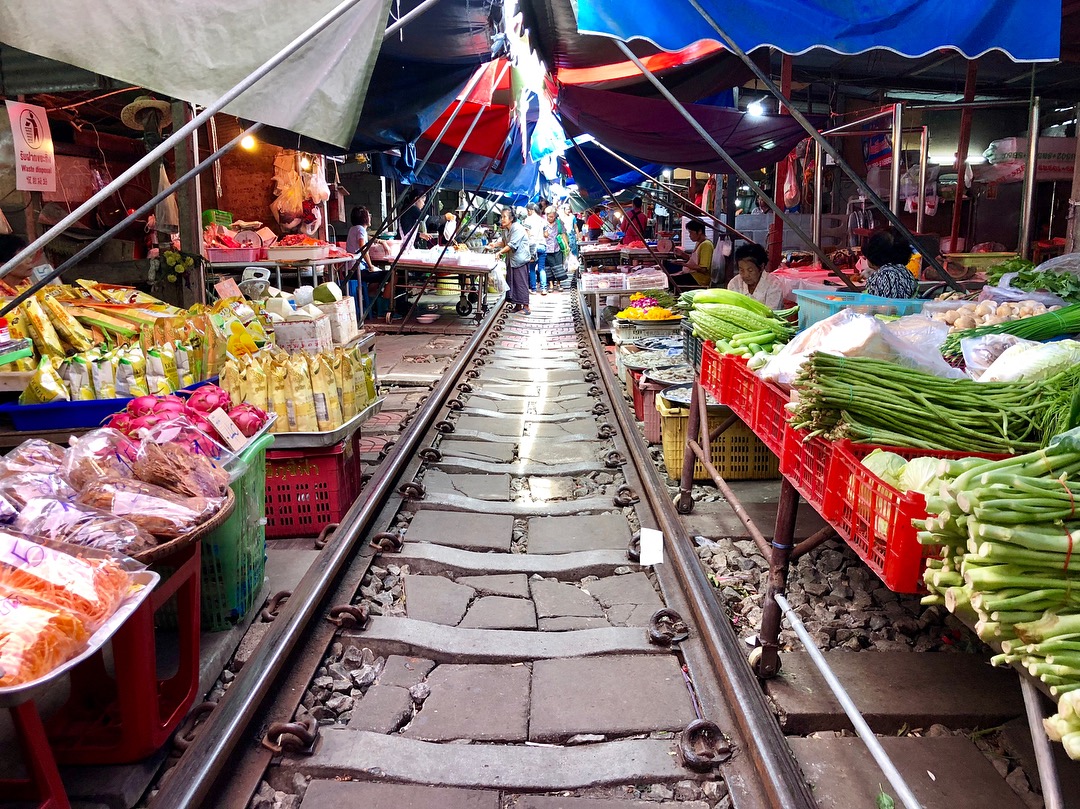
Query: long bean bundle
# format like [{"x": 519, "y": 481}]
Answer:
[
  {"x": 1065, "y": 320},
  {"x": 875, "y": 402}
]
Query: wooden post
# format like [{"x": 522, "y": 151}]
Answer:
[
  {"x": 187, "y": 201},
  {"x": 776, "y": 232},
  {"x": 961, "y": 155}
]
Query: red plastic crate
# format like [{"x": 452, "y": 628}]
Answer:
[
  {"x": 126, "y": 714},
  {"x": 875, "y": 519},
  {"x": 635, "y": 394},
  {"x": 770, "y": 414},
  {"x": 652, "y": 420},
  {"x": 711, "y": 372},
  {"x": 307, "y": 489},
  {"x": 806, "y": 463}
]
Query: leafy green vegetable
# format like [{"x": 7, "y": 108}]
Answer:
[
  {"x": 1065, "y": 285},
  {"x": 884, "y": 799}
]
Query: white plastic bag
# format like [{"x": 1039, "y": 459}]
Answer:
[
  {"x": 981, "y": 352},
  {"x": 1005, "y": 292}
]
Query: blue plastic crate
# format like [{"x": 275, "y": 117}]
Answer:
[
  {"x": 69, "y": 415},
  {"x": 816, "y": 305}
]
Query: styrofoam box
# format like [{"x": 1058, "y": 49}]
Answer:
[
  {"x": 313, "y": 336},
  {"x": 342, "y": 314}
]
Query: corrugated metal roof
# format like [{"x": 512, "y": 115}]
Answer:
[{"x": 23, "y": 73}]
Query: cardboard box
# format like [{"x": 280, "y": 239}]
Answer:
[
  {"x": 313, "y": 336},
  {"x": 342, "y": 314}
]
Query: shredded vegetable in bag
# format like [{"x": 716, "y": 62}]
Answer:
[
  {"x": 33, "y": 455},
  {"x": 35, "y": 638},
  {"x": 90, "y": 588},
  {"x": 173, "y": 467},
  {"x": 98, "y": 454},
  {"x": 21, "y": 488}
]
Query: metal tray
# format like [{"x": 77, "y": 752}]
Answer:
[
  {"x": 329, "y": 438},
  {"x": 679, "y": 396},
  {"x": 659, "y": 343},
  {"x": 18, "y": 694}
]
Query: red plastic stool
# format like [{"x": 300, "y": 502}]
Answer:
[
  {"x": 122, "y": 719},
  {"x": 44, "y": 783}
]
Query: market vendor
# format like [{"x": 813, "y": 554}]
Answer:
[
  {"x": 635, "y": 223},
  {"x": 888, "y": 253},
  {"x": 696, "y": 263},
  {"x": 30, "y": 270},
  {"x": 753, "y": 279}
]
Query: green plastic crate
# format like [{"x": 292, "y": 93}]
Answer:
[
  {"x": 212, "y": 216},
  {"x": 234, "y": 553}
]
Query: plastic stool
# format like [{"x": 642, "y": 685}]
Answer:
[
  {"x": 122, "y": 719},
  {"x": 44, "y": 783}
]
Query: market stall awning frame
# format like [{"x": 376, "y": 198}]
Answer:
[{"x": 1026, "y": 30}]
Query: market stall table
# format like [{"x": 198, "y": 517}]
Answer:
[
  {"x": 298, "y": 266},
  {"x": 470, "y": 270}
]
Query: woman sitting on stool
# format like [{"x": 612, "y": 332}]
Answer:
[
  {"x": 751, "y": 260},
  {"x": 697, "y": 263}
]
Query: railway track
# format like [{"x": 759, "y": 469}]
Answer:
[{"x": 479, "y": 623}]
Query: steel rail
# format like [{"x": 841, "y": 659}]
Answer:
[
  {"x": 780, "y": 779},
  {"x": 192, "y": 779}
]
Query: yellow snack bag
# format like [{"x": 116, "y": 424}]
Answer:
[
  {"x": 103, "y": 374},
  {"x": 182, "y": 357},
  {"x": 17, "y": 328},
  {"x": 255, "y": 387},
  {"x": 41, "y": 331},
  {"x": 131, "y": 373},
  {"x": 66, "y": 326},
  {"x": 343, "y": 377},
  {"x": 76, "y": 374},
  {"x": 161, "y": 375},
  {"x": 300, "y": 400},
  {"x": 231, "y": 380},
  {"x": 369, "y": 377},
  {"x": 360, "y": 397},
  {"x": 324, "y": 389},
  {"x": 277, "y": 392},
  {"x": 240, "y": 341},
  {"x": 45, "y": 385}
]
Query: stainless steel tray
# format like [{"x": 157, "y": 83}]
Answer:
[{"x": 329, "y": 438}]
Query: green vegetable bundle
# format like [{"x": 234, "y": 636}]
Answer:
[
  {"x": 736, "y": 323},
  {"x": 1008, "y": 533},
  {"x": 875, "y": 402},
  {"x": 1040, "y": 328},
  {"x": 1065, "y": 285}
]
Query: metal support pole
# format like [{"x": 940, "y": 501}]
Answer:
[
  {"x": 184, "y": 131},
  {"x": 1044, "y": 755},
  {"x": 776, "y": 232},
  {"x": 1072, "y": 237},
  {"x": 1027, "y": 215},
  {"x": 897, "y": 153},
  {"x": 818, "y": 182},
  {"x": 127, "y": 220},
  {"x": 783, "y": 543},
  {"x": 924, "y": 155},
  {"x": 929, "y": 259},
  {"x": 903, "y": 791},
  {"x": 746, "y": 178}
]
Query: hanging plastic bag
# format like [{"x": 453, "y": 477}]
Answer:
[{"x": 166, "y": 212}]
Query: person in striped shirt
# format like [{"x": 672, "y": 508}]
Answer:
[{"x": 888, "y": 253}]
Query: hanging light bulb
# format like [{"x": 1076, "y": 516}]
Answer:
[
  {"x": 247, "y": 142},
  {"x": 305, "y": 163},
  {"x": 755, "y": 109}
]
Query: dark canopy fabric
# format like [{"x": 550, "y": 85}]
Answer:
[
  {"x": 651, "y": 130},
  {"x": 1027, "y": 30},
  {"x": 553, "y": 33},
  {"x": 616, "y": 174},
  {"x": 417, "y": 75}
]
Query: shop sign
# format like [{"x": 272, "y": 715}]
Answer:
[{"x": 35, "y": 164}]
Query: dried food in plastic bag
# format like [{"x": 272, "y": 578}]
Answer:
[
  {"x": 98, "y": 454},
  {"x": 156, "y": 510},
  {"x": 193, "y": 433},
  {"x": 35, "y": 638},
  {"x": 91, "y": 586},
  {"x": 34, "y": 455},
  {"x": 79, "y": 524},
  {"x": 24, "y": 487},
  {"x": 173, "y": 467}
]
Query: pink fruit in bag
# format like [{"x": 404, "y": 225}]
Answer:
[{"x": 209, "y": 398}]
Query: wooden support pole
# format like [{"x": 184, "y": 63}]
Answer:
[{"x": 961, "y": 154}]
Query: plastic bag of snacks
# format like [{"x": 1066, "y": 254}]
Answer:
[
  {"x": 173, "y": 467},
  {"x": 21, "y": 488},
  {"x": 156, "y": 510},
  {"x": 78, "y": 524},
  {"x": 35, "y": 638},
  {"x": 98, "y": 454},
  {"x": 34, "y": 455},
  {"x": 90, "y": 586}
]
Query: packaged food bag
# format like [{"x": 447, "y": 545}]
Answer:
[
  {"x": 324, "y": 390},
  {"x": 300, "y": 399}
]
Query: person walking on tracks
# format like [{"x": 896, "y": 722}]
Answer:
[{"x": 515, "y": 246}]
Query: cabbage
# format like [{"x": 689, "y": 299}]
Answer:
[
  {"x": 920, "y": 475},
  {"x": 886, "y": 465},
  {"x": 1031, "y": 362}
]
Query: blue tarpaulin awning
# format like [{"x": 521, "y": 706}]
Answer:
[{"x": 1026, "y": 30}]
